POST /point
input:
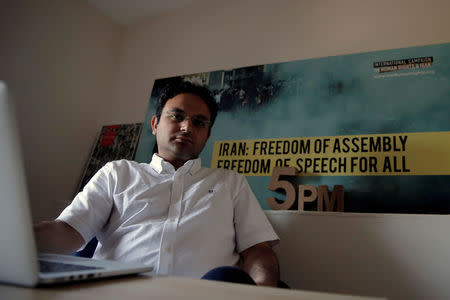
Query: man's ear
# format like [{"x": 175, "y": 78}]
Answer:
[{"x": 154, "y": 124}]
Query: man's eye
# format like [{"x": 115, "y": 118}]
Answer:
[
  {"x": 198, "y": 123},
  {"x": 176, "y": 117}
]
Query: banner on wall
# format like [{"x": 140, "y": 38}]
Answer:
[
  {"x": 375, "y": 154},
  {"x": 114, "y": 142},
  {"x": 376, "y": 123}
]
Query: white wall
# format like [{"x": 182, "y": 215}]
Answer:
[
  {"x": 73, "y": 70},
  {"x": 59, "y": 59},
  {"x": 396, "y": 256},
  {"x": 215, "y": 34}
]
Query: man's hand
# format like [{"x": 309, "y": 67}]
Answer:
[
  {"x": 57, "y": 237},
  {"x": 261, "y": 263}
]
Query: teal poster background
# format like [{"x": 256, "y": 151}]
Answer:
[{"x": 394, "y": 91}]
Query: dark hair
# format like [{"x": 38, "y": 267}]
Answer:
[{"x": 186, "y": 87}]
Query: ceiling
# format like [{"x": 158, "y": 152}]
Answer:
[{"x": 126, "y": 12}]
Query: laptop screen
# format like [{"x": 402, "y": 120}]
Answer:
[{"x": 18, "y": 259}]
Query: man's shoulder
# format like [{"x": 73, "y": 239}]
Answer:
[{"x": 124, "y": 164}]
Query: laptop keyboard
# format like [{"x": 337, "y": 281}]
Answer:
[{"x": 51, "y": 266}]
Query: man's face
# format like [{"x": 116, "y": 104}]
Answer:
[{"x": 183, "y": 128}]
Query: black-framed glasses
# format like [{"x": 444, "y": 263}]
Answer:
[{"x": 197, "y": 121}]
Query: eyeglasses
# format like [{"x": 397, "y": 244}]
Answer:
[{"x": 197, "y": 121}]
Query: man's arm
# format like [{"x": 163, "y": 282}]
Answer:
[
  {"x": 57, "y": 237},
  {"x": 261, "y": 263}
]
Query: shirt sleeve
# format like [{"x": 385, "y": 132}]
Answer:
[
  {"x": 251, "y": 224},
  {"x": 90, "y": 209}
]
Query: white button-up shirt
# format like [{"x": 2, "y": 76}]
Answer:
[{"x": 183, "y": 222}]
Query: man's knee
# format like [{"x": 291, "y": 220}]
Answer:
[{"x": 229, "y": 274}]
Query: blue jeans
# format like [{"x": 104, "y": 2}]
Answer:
[
  {"x": 229, "y": 274},
  {"x": 234, "y": 275}
]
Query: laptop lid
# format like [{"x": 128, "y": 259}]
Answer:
[
  {"x": 18, "y": 258},
  {"x": 18, "y": 253}
]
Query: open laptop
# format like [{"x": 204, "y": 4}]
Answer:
[{"x": 18, "y": 255}]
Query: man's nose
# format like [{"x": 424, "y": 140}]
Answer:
[{"x": 186, "y": 125}]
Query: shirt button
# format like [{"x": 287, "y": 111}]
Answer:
[{"x": 167, "y": 249}]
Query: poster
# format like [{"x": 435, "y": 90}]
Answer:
[
  {"x": 113, "y": 143},
  {"x": 376, "y": 123}
]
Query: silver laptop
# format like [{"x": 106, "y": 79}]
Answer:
[{"x": 18, "y": 256}]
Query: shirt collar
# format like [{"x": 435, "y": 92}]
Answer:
[{"x": 163, "y": 167}]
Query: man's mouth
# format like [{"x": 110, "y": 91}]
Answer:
[{"x": 183, "y": 139}]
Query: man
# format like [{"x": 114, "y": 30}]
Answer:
[{"x": 182, "y": 218}]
